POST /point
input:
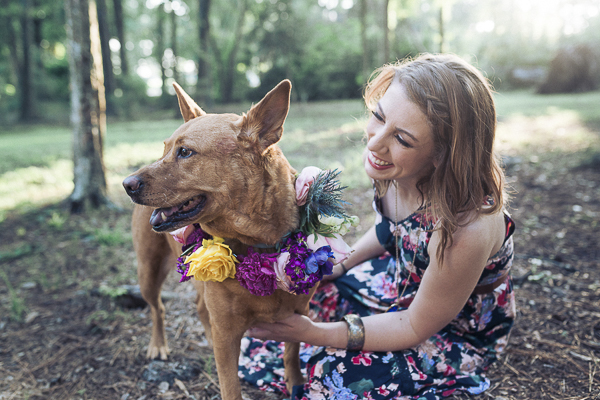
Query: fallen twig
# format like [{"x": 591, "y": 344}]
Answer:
[
  {"x": 210, "y": 378},
  {"x": 114, "y": 357},
  {"x": 591, "y": 374},
  {"x": 556, "y": 344},
  {"x": 580, "y": 356}
]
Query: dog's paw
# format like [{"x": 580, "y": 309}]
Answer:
[
  {"x": 292, "y": 380},
  {"x": 156, "y": 351}
]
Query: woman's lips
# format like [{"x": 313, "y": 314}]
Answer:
[{"x": 378, "y": 163}]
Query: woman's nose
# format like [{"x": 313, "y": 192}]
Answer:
[{"x": 375, "y": 138}]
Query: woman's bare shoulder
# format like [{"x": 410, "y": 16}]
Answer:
[{"x": 487, "y": 230}]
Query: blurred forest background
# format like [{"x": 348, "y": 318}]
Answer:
[
  {"x": 72, "y": 324},
  {"x": 230, "y": 51}
]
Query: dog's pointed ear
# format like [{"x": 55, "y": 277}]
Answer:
[
  {"x": 189, "y": 108},
  {"x": 264, "y": 121}
]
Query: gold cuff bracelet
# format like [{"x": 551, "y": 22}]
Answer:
[{"x": 356, "y": 332}]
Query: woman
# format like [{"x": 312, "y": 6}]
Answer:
[{"x": 427, "y": 289}]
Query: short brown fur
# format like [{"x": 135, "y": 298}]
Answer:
[{"x": 248, "y": 187}]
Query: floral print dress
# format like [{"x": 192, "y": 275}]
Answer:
[{"x": 450, "y": 362}]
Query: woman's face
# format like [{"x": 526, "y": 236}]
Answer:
[{"x": 400, "y": 143}]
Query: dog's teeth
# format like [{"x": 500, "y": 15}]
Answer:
[{"x": 163, "y": 216}]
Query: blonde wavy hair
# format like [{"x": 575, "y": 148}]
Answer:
[{"x": 457, "y": 100}]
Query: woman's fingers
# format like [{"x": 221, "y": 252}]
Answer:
[{"x": 287, "y": 329}]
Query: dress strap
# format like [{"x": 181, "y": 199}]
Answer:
[{"x": 490, "y": 287}]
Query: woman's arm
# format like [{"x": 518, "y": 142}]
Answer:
[
  {"x": 366, "y": 247},
  {"x": 443, "y": 292}
]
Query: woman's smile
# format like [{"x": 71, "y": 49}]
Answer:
[{"x": 378, "y": 163}]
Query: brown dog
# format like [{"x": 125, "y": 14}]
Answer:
[{"x": 224, "y": 172}]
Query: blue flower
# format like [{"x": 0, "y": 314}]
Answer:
[
  {"x": 387, "y": 358},
  {"x": 319, "y": 261},
  {"x": 336, "y": 386}
]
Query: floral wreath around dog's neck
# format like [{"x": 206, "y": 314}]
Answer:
[{"x": 303, "y": 256}]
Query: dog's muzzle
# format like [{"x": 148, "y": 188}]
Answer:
[{"x": 132, "y": 185}]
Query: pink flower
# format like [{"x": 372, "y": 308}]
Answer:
[
  {"x": 340, "y": 249},
  {"x": 180, "y": 235},
  {"x": 303, "y": 182},
  {"x": 283, "y": 280},
  {"x": 363, "y": 359},
  {"x": 383, "y": 391}
]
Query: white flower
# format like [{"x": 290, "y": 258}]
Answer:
[
  {"x": 344, "y": 228},
  {"x": 330, "y": 220}
]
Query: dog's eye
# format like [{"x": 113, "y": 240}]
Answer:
[{"x": 184, "y": 152}]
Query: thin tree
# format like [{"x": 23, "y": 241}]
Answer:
[
  {"x": 26, "y": 89},
  {"x": 363, "y": 40},
  {"x": 228, "y": 57},
  {"x": 386, "y": 31},
  {"x": 203, "y": 86},
  {"x": 88, "y": 105},
  {"x": 107, "y": 66},
  {"x": 441, "y": 25},
  {"x": 8, "y": 35},
  {"x": 174, "y": 43},
  {"x": 118, "y": 9},
  {"x": 159, "y": 48}
]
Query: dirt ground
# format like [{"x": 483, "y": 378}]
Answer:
[{"x": 66, "y": 332}]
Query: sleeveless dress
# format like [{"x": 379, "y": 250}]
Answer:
[{"x": 450, "y": 362}]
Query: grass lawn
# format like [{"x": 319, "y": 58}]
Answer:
[{"x": 36, "y": 167}]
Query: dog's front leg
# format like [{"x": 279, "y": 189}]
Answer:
[
  {"x": 203, "y": 312},
  {"x": 226, "y": 346},
  {"x": 155, "y": 260},
  {"x": 291, "y": 361},
  {"x": 150, "y": 286},
  {"x": 229, "y": 319}
]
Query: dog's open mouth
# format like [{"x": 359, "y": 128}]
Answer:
[{"x": 171, "y": 218}]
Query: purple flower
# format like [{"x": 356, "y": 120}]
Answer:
[
  {"x": 256, "y": 273},
  {"x": 318, "y": 261},
  {"x": 304, "y": 267},
  {"x": 183, "y": 268},
  {"x": 192, "y": 243},
  {"x": 197, "y": 236}
]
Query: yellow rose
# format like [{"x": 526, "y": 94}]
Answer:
[{"x": 214, "y": 261}]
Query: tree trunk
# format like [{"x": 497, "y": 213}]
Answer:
[
  {"x": 441, "y": 22},
  {"x": 7, "y": 28},
  {"x": 107, "y": 66},
  {"x": 27, "y": 109},
  {"x": 160, "y": 47},
  {"x": 174, "y": 45},
  {"x": 203, "y": 85},
  {"x": 229, "y": 73},
  {"x": 36, "y": 47},
  {"x": 118, "y": 8},
  {"x": 386, "y": 31},
  {"x": 87, "y": 105},
  {"x": 363, "y": 40}
]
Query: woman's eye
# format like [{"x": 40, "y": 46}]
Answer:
[
  {"x": 377, "y": 116},
  {"x": 402, "y": 141},
  {"x": 184, "y": 152}
]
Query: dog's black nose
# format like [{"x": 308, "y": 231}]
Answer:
[{"x": 132, "y": 184}]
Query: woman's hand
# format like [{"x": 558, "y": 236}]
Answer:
[{"x": 294, "y": 328}]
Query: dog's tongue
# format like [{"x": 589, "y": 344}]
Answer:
[{"x": 160, "y": 215}]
